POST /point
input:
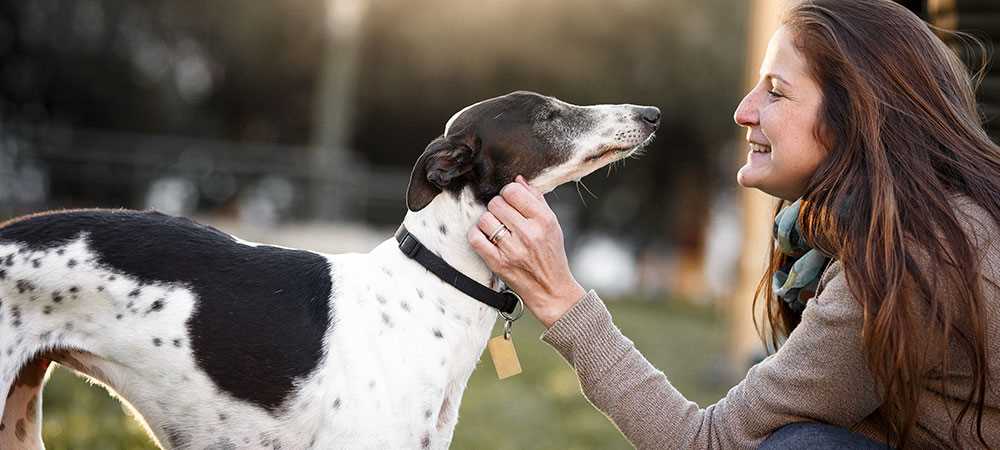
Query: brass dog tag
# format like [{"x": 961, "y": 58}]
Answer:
[{"x": 504, "y": 356}]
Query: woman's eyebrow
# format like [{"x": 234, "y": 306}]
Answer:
[{"x": 775, "y": 76}]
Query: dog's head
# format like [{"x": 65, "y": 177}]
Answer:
[{"x": 548, "y": 141}]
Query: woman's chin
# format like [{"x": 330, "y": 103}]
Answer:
[
  {"x": 754, "y": 178},
  {"x": 748, "y": 177}
]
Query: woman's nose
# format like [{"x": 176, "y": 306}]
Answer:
[{"x": 746, "y": 112}]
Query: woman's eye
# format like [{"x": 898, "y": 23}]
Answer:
[{"x": 774, "y": 94}]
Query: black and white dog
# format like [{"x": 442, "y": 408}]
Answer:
[{"x": 221, "y": 343}]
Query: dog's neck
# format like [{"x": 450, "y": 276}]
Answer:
[{"x": 443, "y": 225}]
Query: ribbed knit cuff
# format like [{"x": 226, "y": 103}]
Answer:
[{"x": 587, "y": 337}]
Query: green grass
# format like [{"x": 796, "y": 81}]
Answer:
[
  {"x": 540, "y": 409},
  {"x": 80, "y": 416}
]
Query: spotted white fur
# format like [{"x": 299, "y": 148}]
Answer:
[{"x": 398, "y": 354}]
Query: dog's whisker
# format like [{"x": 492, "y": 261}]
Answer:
[
  {"x": 580, "y": 183},
  {"x": 580, "y": 194}
]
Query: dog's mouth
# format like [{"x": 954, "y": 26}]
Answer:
[{"x": 613, "y": 152}]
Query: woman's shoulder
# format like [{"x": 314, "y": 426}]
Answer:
[
  {"x": 833, "y": 269},
  {"x": 833, "y": 295}
]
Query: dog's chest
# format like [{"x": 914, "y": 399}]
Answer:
[
  {"x": 398, "y": 355},
  {"x": 394, "y": 320}
]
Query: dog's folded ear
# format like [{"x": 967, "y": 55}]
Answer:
[{"x": 443, "y": 163}]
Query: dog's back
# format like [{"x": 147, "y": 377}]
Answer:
[{"x": 157, "y": 297}]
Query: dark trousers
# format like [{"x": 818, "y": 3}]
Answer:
[{"x": 818, "y": 436}]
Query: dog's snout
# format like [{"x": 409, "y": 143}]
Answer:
[{"x": 650, "y": 115}]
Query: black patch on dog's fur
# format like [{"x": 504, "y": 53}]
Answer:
[{"x": 261, "y": 312}]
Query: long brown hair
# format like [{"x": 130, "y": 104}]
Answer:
[{"x": 903, "y": 137}]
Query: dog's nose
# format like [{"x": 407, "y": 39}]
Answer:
[{"x": 650, "y": 115}]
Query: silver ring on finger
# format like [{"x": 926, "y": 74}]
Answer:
[{"x": 496, "y": 235}]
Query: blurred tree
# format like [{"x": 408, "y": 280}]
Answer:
[{"x": 237, "y": 70}]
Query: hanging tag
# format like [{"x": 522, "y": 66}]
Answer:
[{"x": 503, "y": 354}]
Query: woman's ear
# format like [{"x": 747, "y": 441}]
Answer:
[{"x": 443, "y": 163}]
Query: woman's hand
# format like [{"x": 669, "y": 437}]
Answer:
[{"x": 529, "y": 254}]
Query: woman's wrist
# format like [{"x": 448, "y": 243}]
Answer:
[{"x": 560, "y": 304}]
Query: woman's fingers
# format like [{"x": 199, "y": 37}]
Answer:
[
  {"x": 524, "y": 201},
  {"x": 489, "y": 224},
  {"x": 534, "y": 191},
  {"x": 507, "y": 214},
  {"x": 481, "y": 245},
  {"x": 502, "y": 237}
]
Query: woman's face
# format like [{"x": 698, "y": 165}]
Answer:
[{"x": 780, "y": 114}]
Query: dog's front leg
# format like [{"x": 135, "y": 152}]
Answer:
[{"x": 21, "y": 423}]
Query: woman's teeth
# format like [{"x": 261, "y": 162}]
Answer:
[{"x": 757, "y": 148}]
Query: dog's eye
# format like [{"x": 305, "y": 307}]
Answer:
[{"x": 551, "y": 114}]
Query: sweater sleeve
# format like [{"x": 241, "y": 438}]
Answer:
[{"x": 819, "y": 374}]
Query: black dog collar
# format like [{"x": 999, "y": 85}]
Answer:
[{"x": 506, "y": 301}]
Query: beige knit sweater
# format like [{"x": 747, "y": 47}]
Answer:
[{"x": 820, "y": 373}]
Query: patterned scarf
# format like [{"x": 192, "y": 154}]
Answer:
[{"x": 795, "y": 282}]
